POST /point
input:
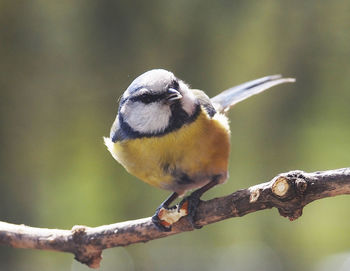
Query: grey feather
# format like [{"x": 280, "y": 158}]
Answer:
[
  {"x": 204, "y": 101},
  {"x": 226, "y": 99}
]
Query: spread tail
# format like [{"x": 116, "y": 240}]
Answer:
[{"x": 228, "y": 98}]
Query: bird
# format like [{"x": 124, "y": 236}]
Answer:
[{"x": 177, "y": 138}]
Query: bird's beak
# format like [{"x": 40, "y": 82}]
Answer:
[{"x": 173, "y": 95}]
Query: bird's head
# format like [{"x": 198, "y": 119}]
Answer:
[{"x": 155, "y": 102}]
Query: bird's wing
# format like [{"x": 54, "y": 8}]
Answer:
[{"x": 226, "y": 99}]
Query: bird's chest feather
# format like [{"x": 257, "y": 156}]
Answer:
[{"x": 183, "y": 159}]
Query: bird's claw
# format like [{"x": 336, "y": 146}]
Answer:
[
  {"x": 165, "y": 217},
  {"x": 189, "y": 205},
  {"x": 160, "y": 223}
]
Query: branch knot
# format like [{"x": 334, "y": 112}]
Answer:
[
  {"x": 85, "y": 253},
  {"x": 301, "y": 185},
  {"x": 78, "y": 233}
]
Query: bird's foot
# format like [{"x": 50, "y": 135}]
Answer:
[
  {"x": 165, "y": 217},
  {"x": 189, "y": 206},
  {"x": 159, "y": 219}
]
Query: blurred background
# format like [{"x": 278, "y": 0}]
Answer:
[{"x": 63, "y": 66}]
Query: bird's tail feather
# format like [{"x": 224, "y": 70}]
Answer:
[{"x": 228, "y": 98}]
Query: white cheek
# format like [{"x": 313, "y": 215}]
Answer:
[
  {"x": 147, "y": 118},
  {"x": 188, "y": 101}
]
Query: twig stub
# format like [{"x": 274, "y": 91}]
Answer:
[{"x": 280, "y": 187}]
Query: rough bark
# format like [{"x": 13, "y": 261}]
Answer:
[{"x": 288, "y": 192}]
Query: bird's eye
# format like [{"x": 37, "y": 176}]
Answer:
[
  {"x": 146, "y": 98},
  {"x": 174, "y": 85}
]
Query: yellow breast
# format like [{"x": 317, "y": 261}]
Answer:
[{"x": 180, "y": 160}]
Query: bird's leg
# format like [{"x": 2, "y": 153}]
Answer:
[
  {"x": 191, "y": 202},
  {"x": 157, "y": 217}
]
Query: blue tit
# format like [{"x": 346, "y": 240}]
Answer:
[{"x": 177, "y": 138}]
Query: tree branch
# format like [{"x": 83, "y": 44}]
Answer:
[{"x": 288, "y": 192}]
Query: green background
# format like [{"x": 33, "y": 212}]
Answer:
[{"x": 63, "y": 66}]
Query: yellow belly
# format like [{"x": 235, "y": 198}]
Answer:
[{"x": 181, "y": 160}]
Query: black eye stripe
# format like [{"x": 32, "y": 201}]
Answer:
[{"x": 148, "y": 98}]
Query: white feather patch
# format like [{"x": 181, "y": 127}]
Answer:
[
  {"x": 188, "y": 99},
  {"x": 110, "y": 146},
  {"x": 223, "y": 120},
  {"x": 146, "y": 118}
]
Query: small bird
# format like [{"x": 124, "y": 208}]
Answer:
[{"x": 177, "y": 138}]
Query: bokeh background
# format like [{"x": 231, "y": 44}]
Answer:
[{"x": 63, "y": 66}]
